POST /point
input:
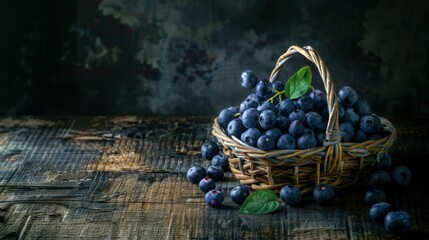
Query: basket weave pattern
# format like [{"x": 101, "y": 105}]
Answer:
[{"x": 340, "y": 164}]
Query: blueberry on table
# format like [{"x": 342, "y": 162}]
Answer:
[
  {"x": 250, "y": 136},
  {"x": 267, "y": 119},
  {"x": 263, "y": 88},
  {"x": 248, "y": 79},
  {"x": 379, "y": 179},
  {"x": 286, "y": 141},
  {"x": 250, "y": 118},
  {"x": 266, "y": 143},
  {"x": 206, "y": 184},
  {"x": 323, "y": 194},
  {"x": 215, "y": 172},
  {"x": 374, "y": 196},
  {"x": 235, "y": 128},
  {"x": 209, "y": 150},
  {"x": 221, "y": 161},
  {"x": 225, "y": 116},
  {"x": 401, "y": 175},
  {"x": 290, "y": 194},
  {"x": 378, "y": 211},
  {"x": 240, "y": 193},
  {"x": 347, "y": 96},
  {"x": 397, "y": 222},
  {"x": 195, "y": 174},
  {"x": 214, "y": 198}
]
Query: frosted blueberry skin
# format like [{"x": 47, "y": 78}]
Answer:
[
  {"x": 401, "y": 175},
  {"x": 250, "y": 118},
  {"x": 398, "y": 222},
  {"x": 305, "y": 103},
  {"x": 347, "y": 96},
  {"x": 255, "y": 98},
  {"x": 239, "y": 194},
  {"x": 370, "y": 124},
  {"x": 285, "y": 107},
  {"x": 286, "y": 141},
  {"x": 216, "y": 173},
  {"x": 250, "y": 136},
  {"x": 266, "y": 105},
  {"x": 248, "y": 79},
  {"x": 235, "y": 128},
  {"x": 263, "y": 88},
  {"x": 350, "y": 116},
  {"x": 278, "y": 86},
  {"x": 307, "y": 141},
  {"x": 296, "y": 128},
  {"x": 274, "y": 132},
  {"x": 214, "y": 198},
  {"x": 267, "y": 119},
  {"x": 319, "y": 98},
  {"x": 221, "y": 161},
  {"x": 225, "y": 116},
  {"x": 290, "y": 195},
  {"x": 363, "y": 108},
  {"x": 374, "y": 196},
  {"x": 378, "y": 211},
  {"x": 209, "y": 150},
  {"x": 206, "y": 184},
  {"x": 195, "y": 174},
  {"x": 314, "y": 121},
  {"x": 297, "y": 114},
  {"x": 266, "y": 143},
  {"x": 323, "y": 194}
]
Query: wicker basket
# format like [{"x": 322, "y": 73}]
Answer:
[{"x": 340, "y": 164}]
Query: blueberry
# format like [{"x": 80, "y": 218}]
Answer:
[
  {"x": 214, "y": 198},
  {"x": 209, "y": 150},
  {"x": 314, "y": 121},
  {"x": 266, "y": 105},
  {"x": 278, "y": 86},
  {"x": 347, "y": 96},
  {"x": 341, "y": 110},
  {"x": 384, "y": 161},
  {"x": 195, "y": 174},
  {"x": 319, "y": 98},
  {"x": 401, "y": 175},
  {"x": 363, "y": 108},
  {"x": 297, "y": 114},
  {"x": 320, "y": 137},
  {"x": 215, "y": 173},
  {"x": 374, "y": 196},
  {"x": 370, "y": 124},
  {"x": 375, "y": 136},
  {"x": 323, "y": 194},
  {"x": 282, "y": 123},
  {"x": 285, "y": 107},
  {"x": 307, "y": 141},
  {"x": 206, "y": 184},
  {"x": 397, "y": 222},
  {"x": 255, "y": 98},
  {"x": 378, "y": 211},
  {"x": 263, "y": 88},
  {"x": 248, "y": 103},
  {"x": 305, "y": 103},
  {"x": 350, "y": 116},
  {"x": 234, "y": 109},
  {"x": 248, "y": 79},
  {"x": 250, "y": 136},
  {"x": 379, "y": 179},
  {"x": 221, "y": 161},
  {"x": 359, "y": 136},
  {"x": 267, "y": 119},
  {"x": 286, "y": 141},
  {"x": 290, "y": 194},
  {"x": 240, "y": 193},
  {"x": 296, "y": 128},
  {"x": 225, "y": 116},
  {"x": 250, "y": 118},
  {"x": 266, "y": 143},
  {"x": 347, "y": 131},
  {"x": 235, "y": 128},
  {"x": 275, "y": 133}
]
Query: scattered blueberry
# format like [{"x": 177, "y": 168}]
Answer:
[
  {"x": 378, "y": 211},
  {"x": 379, "y": 179},
  {"x": 397, "y": 222},
  {"x": 221, "y": 161},
  {"x": 323, "y": 194},
  {"x": 248, "y": 79},
  {"x": 290, "y": 194},
  {"x": 374, "y": 196},
  {"x": 195, "y": 174},
  {"x": 214, "y": 198},
  {"x": 240, "y": 193},
  {"x": 215, "y": 173},
  {"x": 347, "y": 96},
  {"x": 206, "y": 184},
  {"x": 401, "y": 175},
  {"x": 209, "y": 150}
]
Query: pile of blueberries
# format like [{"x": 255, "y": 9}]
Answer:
[{"x": 268, "y": 120}]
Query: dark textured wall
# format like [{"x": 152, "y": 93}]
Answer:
[{"x": 185, "y": 57}]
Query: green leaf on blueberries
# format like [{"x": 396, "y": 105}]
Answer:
[
  {"x": 298, "y": 84},
  {"x": 260, "y": 202}
]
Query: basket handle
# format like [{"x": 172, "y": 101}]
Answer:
[{"x": 333, "y": 135}]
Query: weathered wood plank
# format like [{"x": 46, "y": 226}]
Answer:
[{"x": 123, "y": 178}]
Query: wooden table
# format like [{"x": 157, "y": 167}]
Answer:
[{"x": 124, "y": 178}]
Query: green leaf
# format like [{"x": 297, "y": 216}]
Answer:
[
  {"x": 260, "y": 202},
  {"x": 298, "y": 84}
]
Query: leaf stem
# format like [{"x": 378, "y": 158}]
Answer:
[{"x": 278, "y": 93}]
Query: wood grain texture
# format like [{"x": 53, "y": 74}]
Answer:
[{"x": 124, "y": 178}]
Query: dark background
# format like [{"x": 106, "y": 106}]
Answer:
[{"x": 185, "y": 57}]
